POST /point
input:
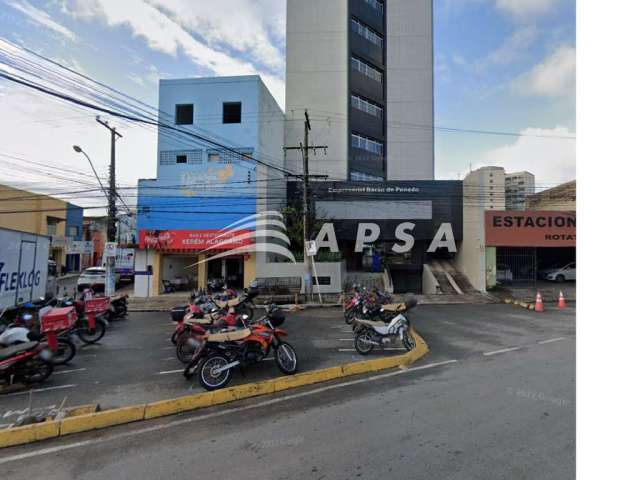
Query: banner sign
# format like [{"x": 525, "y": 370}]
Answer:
[
  {"x": 125, "y": 258},
  {"x": 194, "y": 240},
  {"x": 516, "y": 228},
  {"x": 76, "y": 247}
]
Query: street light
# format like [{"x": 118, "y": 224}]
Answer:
[{"x": 79, "y": 150}]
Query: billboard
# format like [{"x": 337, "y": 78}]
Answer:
[
  {"x": 193, "y": 240},
  {"x": 516, "y": 228}
]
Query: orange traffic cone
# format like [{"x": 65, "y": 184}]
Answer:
[
  {"x": 539, "y": 306},
  {"x": 561, "y": 303}
]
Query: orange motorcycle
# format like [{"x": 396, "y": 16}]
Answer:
[{"x": 219, "y": 353}]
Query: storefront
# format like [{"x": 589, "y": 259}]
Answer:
[
  {"x": 528, "y": 246},
  {"x": 182, "y": 260},
  {"x": 393, "y": 227}
]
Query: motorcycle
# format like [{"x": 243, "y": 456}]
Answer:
[
  {"x": 26, "y": 363},
  {"x": 195, "y": 327},
  {"x": 219, "y": 353},
  {"x": 369, "y": 334},
  {"x": 91, "y": 311},
  {"x": 364, "y": 304}
]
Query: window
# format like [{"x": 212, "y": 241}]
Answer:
[
  {"x": 181, "y": 159},
  {"x": 377, "y": 5},
  {"x": 366, "y": 106},
  {"x": 184, "y": 114},
  {"x": 232, "y": 112},
  {"x": 322, "y": 280},
  {"x": 214, "y": 157},
  {"x": 366, "y": 32},
  {"x": 52, "y": 226},
  {"x": 366, "y": 69},
  {"x": 364, "y": 177},
  {"x": 366, "y": 143},
  {"x": 73, "y": 231}
]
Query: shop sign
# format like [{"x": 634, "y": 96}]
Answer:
[
  {"x": 76, "y": 247},
  {"x": 516, "y": 228},
  {"x": 196, "y": 240}
]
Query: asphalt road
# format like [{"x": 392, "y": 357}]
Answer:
[{"x": 494, "y": 400}]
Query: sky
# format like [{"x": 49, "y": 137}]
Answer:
[{"x": 504, "y": 66}]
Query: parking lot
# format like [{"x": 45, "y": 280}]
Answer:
[{"x": 135, "y": 363}]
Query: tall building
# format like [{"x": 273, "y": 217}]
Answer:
[
  {"x": 364, "y": 71},
  {"x": 485, "y": 188},
  {"x": 517, "y": 187},
  {"x": 204, "y": 184}
]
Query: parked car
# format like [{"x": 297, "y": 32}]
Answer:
[
  {"x": 568, "y": 272},
  {"x": 503, "y": 274},
  {"x": 94, "y": 278}
]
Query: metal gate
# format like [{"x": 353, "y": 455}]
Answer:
[{"x": 521, "y": 261}]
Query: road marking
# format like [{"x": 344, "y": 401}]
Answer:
[
  {"x": 385, "y": 348},
  {"x": 345, "y": 339},
  {"x": 38, "y": 390},
  {"x": 168, "y": 358},
  {"x": 169, "y": 371},
  {"x": 219, "y": 413},
  {"x": 504, "y": 350},
  {"x": 69, "y": 371},
  {"x": 551, "y": 340},
  {"x": 169, "y": 348}
]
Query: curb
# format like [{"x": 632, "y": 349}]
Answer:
[{"x": 118, "y": 416}]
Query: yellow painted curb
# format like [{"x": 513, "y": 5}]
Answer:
[
  {"x": 28, "y": 433},
  {"x": 108, "y": 418},
  {"x": 119, "y": 416}
]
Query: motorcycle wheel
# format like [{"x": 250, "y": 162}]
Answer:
[
  {"x": 361, "y": 342},
  {"x": 184, "y": 351},
  {"x": 37, "y": 371},
  {"x": 408, "y": 341},
  {"x": 174, "y": 338},
  {"x": 245, "y": 309},
  {"x": 66, "y": 351},
  {"x": 89, "y": 336},
  {"x": 286, "y": 358},
  {"x": 210, "y": 380},
  {"x": 348, "y": 316}
]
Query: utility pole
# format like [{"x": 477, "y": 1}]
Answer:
[
  {"x": 111, "y": 219},
  {"x": 306, "y": 210}
]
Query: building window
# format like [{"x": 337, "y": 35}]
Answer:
[
  {"x": 73, "y": 231},
  {"x": 366, "y": 69},
  {"x": 364, "y": 177},
  {"x": 377, "y": 5},
  {"x": 214, "y": 157},
  {"x": 184, "y": 114},
  {"x": 366, "y": 106},
  {"x": 366, "y": 143},
  {"x": 366, "y": 32},
  {"x": 52, "y": 226},
  {"x": 232, "y": 112},
  {"x": 322, "y": 280},
  {"x": 171, "y": 157},
  {"x": 181, "y": 159}
]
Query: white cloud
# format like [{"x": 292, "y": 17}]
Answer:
[
  {"x": 513, "y": 46},
  {"x": 168, "y": 32},
  {"x": 551, "y": 160},
  {"x": 526, "y": 9},
  {"x": 42, "y": 18},
  {"x": 554, "y": 77}
]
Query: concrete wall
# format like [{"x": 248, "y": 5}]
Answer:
[
  {"x": 409, "y": 80},
  {"x": 37, "y": 208},
  {"x": 143, "y": 285},
  {"x": 316, "y": 76},
  {"x": 429, "y": 282}
]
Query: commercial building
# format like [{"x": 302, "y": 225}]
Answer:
[
  {"x": 40, "y": 214},
  {"x": 504, "y": 245},
  {"x": 517, "y": 187},
  {"x": 364, "y": 71},
  {"x": 207, "y": 181}
]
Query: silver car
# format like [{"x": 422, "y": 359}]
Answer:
[{"x": 568, "y": 272}]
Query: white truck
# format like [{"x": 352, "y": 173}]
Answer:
[{"x": 23, "y": 267}]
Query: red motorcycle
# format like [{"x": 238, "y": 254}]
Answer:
[
  {"x": 220, "y": 352},
  {"x": 26, "y": 363}
]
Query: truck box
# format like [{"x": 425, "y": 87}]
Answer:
[{"x": 23, "y": 267}]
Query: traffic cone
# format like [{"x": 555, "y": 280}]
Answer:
[
  {"x": 539, "y": 306},
  {"x": 561, "y": 303}
]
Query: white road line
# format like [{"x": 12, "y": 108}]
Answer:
[
  {"x": 354, "y": 350},
  {"x": 219, "y": 413},
  {"x": 504, "y": 350},
  {"x": 61, "y": 372},
  {"x": 169, "y": 348},
  {"x": 550, "y": 340},
  {"x": 169, "y": 358},
  {"x": 38, "y": 390},
  {"x": 345, "y": 339},
  {"x": 167, "y": 372}
]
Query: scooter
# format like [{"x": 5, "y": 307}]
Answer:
[{"x": 369, "y": 334}]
